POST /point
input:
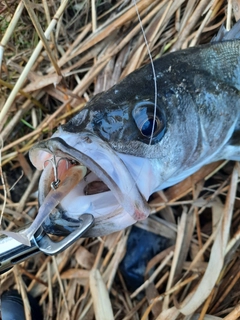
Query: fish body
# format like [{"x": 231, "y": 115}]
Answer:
[{"x": 137, "y": 140}]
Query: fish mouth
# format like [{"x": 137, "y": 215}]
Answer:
[{"x": 108, "y": 191}]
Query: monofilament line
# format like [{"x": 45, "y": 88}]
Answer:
[{"x": 153, "y": 70}]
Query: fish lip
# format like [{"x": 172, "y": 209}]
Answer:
[{"x": 133, "y": 204}]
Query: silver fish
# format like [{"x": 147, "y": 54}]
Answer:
[{"x": 133, "y": 148}]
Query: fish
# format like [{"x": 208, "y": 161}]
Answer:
[{"x": 137, "y": 138}]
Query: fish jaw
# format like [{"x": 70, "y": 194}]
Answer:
[{"x": 113, "y": 210}]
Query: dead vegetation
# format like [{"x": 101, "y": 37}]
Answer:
[{"x": 86, "y": 48}]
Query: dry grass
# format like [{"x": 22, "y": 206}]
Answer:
[{"x": 87, "y": 50}]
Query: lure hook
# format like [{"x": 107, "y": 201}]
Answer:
[
  {"x": 55, "y": 163},
  {"x": 55, "y": 183}
]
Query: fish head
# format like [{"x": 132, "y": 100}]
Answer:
[{"x": 123, "y": 136}]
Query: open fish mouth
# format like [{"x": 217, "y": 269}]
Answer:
[{"x": 108, "y": 191}]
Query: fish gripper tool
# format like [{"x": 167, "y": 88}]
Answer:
[{"x": 13, "y": 252}]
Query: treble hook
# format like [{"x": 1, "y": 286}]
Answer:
[
  {"x": 55, "y": 164},
  {"x": 55, "y": 183}
]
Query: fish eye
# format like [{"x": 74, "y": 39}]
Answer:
[
  {"x": 150, "y": 120},
  {"x": 150, "y": 126}
]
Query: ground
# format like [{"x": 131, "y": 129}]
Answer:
[{"x": 91, "y": 46}]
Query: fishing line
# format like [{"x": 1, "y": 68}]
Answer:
[
  {"x": 153, "y": 70},
  {"x": 154, "y": 80}
]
